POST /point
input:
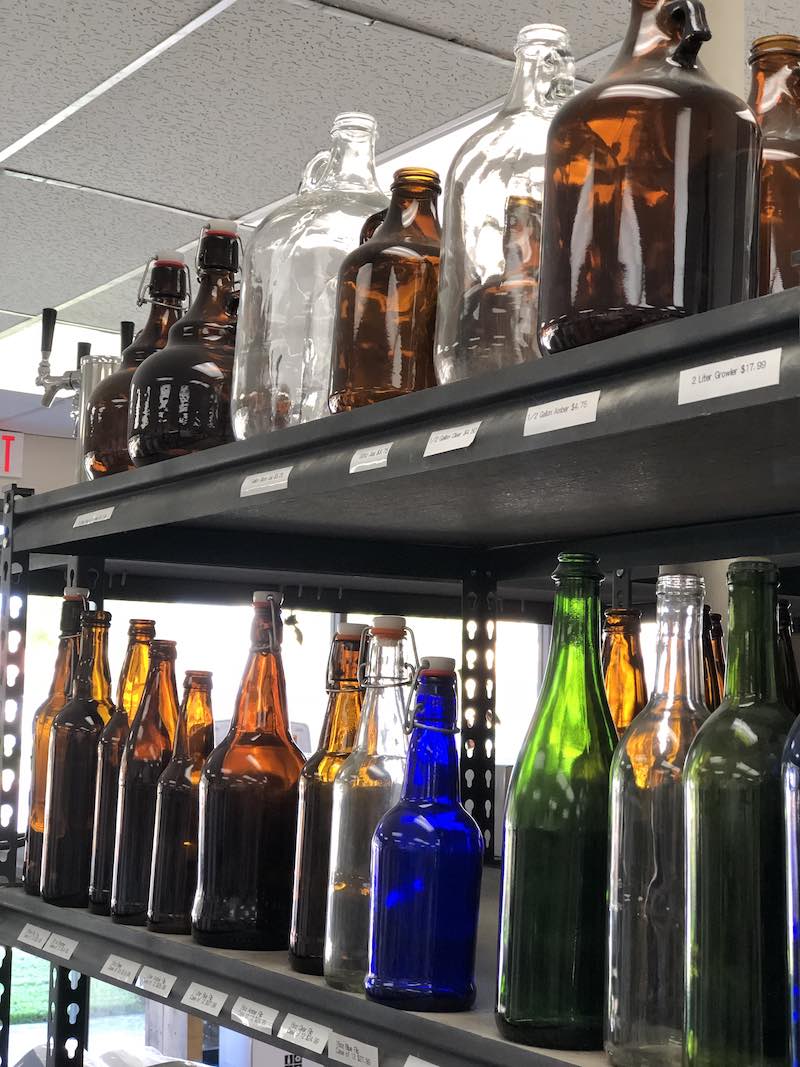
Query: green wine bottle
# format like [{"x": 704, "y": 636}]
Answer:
[
  {"x": 737, "y": 992},
  {"x": 553, "y": 906}
]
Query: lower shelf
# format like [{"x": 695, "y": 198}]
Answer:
[{"x": 264, "y": 979}]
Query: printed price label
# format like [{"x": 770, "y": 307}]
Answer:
[
  {"x": 256, "y": 1016},
  {"x": 345, "y": 1050},
  {"x": 35, "y": 936},
  {"x": 370, "y": 459},
  {"x": 204, "y": 999},
  {"x": 153, "y": 981},
  {"x": 304, "y": 1033},
  {"x": 451, "y": 440},
  {"x": 119, "y": 968},
  {"x": 559, "y": 414},
  {"x": 60, "y": 946},
  {"x": 729, "y": 376},
  {"x": 89, "y": 518},
  {"x": 415, "y": 1061},
  {"x": 267, "y": 482}
]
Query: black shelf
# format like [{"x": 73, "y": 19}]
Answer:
[{"x": 468, "y": 1039}]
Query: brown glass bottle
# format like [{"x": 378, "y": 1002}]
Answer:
[
  {"x": 788, "y": 680},
  {"x": 248, "y": 806},
  {"x": 718, "y": 647},
  {"x": 180, "y": 396},
  {"x": 623, "y": 666},
  {"x": 711, "y": 689},
  {"x": 386, "y": 299},
  {"x": 60, "y": 691},
  {"x": 71, "y": 770},
  {"x": 109, "y": 757},
  {"x": 145, "y": 755},
  {"x": 651, "y": 203},
  {"x": 775, "y": 99},
  {"x": 315, "y": 809},
  {"x": 106, "y": 439},
  {"x": 173, "y": 873}
]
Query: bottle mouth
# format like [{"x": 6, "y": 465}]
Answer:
[
  {"x": 544, "y": 34},
  {"x": 164, "y": 649},
  {"x": 748, "y": 566},
  {"x": 692, "y": 585},
  {"x": 622, "y": 620},
  {"x": 96, "y": 618},
  {"x": 774, "y": 44},
  {"x": 141, "y": 624},
  {"x": 577, "y": 565},
  {"x": 420, "y": 176},
  {"x": 355, "y": 122},
  {"x": 201, "y": 678}
]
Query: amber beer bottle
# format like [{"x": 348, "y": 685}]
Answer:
[
  {"x": 315, "y": 812},
  {"x": 248, "y": 806},
  {"x": 71, "y": 770},
  {"x": 623, "y": 666},
  {"x": 386, "y": 299},
  {"x": 180, "y": 396},
  {"x": 109, "y": 757},
  {"x": 106, "y": 439},
  {"x": 712, "y": 691},
  {"x": 145, "y": 755},
  {"x": 718, "y": 647},
  {"x": 60, "y": 691}
]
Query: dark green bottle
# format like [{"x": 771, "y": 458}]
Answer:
[
  {"x": 736, "y": 981},
  {"x": 553, "y": 905}
]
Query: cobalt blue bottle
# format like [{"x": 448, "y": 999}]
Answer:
[{"x": 427, "y": 859}]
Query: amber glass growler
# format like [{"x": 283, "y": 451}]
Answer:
[
  {"x": 60, "y": 691},
  {"x": 315, "y": 809},
  {"x": 173, "y": 874},
  {"x": 106, "y": 437},
  {"x": 71, "y": 770},
  {"x": 386, "y": 298},
  {"x": 775, "y": 98},
  {"x": 248, "y": 806},
  {"x": 623, "y": 666},
  {"x": 180, "y": 396},
  {"x": 109, "y": 757},
  {"x": 146, "y": 753},
  {"x": 652, "y": 189}
]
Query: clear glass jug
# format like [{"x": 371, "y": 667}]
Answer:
[{"x": 288, "y": 305}]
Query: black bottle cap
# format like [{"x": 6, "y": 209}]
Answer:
[
  {"x": 168, "y": 281},
  {"x": 219, "y": 247}
]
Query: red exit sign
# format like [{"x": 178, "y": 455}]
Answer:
[{"x": 11, "y": 445}]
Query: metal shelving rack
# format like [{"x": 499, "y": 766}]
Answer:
[{"x": 672, "y": 444}]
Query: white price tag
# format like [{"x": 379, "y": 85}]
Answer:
[
  {"x": 304, "y": 1033},
  {"x": 120, "y": 969},
  {"x": 255, "y": 1016},
  {"x": 60, "y": 946},
  {"x": 729, "y": 376},
  {"x": 559, "y": 414},
  {"x": 204, "y": 999},
  {"x": 451, "y": 440},
  {"x": 267, "y": 482},
  {"x": 345, "y": 1050},
  {"x": 370, "y": 459},
  {"x": 89, "y": 518},
  {"x": 153, "y": 981},
  {"x": 35, "y": 936},
  {"x": 415, "y": 1061}
]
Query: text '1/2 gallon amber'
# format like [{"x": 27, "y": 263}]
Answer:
[
  {"x": 623, "y": 666},
  {"x": 652, "y": 189},
  {"x": 383, "y": 339}
]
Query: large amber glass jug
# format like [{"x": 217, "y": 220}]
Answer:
[
  {"x": 383, "y": 341},
  {"x": 283, "y": 346},
  {"x": 652, "y": 189},
  {"x": 775, "y": 98},
  {"x": 489, "y": 285}
]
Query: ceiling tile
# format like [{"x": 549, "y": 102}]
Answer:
[
  {"x": 7, "y": 321},
  {"x": 772, "y": 16}
]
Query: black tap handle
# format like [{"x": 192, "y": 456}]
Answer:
[
  {"x": 126, "y": 329},
  {"x": 49, "y": 316},
  {"x": 84, "y": 348}
]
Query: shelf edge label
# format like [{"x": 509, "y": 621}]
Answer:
[
  {"x": 204, "y": 998},
  {"x": 35, "y": 936},
  {"x": 120, "y": 969},
  {"x": 560, "y": 414},
  {"x": 451, "y": 440},
  {"x": 265, "y": 482},
  {"x": 89, "y": 518},
  {"x": 728, "y": 376},
  {"x": 254, "y": 1016},
  {"x": 345, "y": 1050},
  {"x": 308, "y": 1035},
  {"x": 370, "y": 459},
  {"x": 60, "y": 946},
  {"x": 153, "y": 981}
]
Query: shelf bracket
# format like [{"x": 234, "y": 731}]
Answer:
[
  {"x": 621, "y": 588},
  {"x": 67, "y": 1017}
]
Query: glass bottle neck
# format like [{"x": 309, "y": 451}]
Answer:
[
  {"x": 432, "y": 769},
  {"x": 261, "y": 704},
  {"x": 153, "y": 334},
  {"x": 159, "y": 704},
  {"x": 382, "y": 727},
  {"x": 133, "y": 677},
  {"x": 576, "y": 625},
  {"x": 216, "y": 296},
  {"x": 412, "y": 216},
  {"x": 93, "y": 678},
  {"x": 194, "y": 736},
  {"x": 775, "y": 86},
  {"x": 751, "y": 670},
  {"x": 338, "y": 728},
  {"x": 534, "y": 85},
  {"x": 650, "y": 37},
  {"x": 352, "y": 163},
  {"x": 66, "y": 665},
  {"x": 679, "y": 669}
]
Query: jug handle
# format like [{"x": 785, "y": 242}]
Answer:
[
  {"x": 693, "y": 30},
  {"x": 371, "y": 225},
  {"x": 314, "y": 169}
]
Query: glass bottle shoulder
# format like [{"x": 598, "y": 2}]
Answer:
[
  {"x": 323, "y": 216},
  {"x": 429, "y": 823},
  {"x": 116, "y": 729},
  {"x": 505, "y": 151},
  {"x": 394, "y": 250},
  {"x": 370, "y": 770},
  {"x": 180, "y": 775},
  {"x": 657, "y": 742},
  {"x": 80, "y": 715},
  {"x": 254, "y": 757},
  {"x": 323, "y": 766},
  {"x": 48, "y": 710},
  {"x": 740, "y": 742},
  {"x": 116, "y": 387}
]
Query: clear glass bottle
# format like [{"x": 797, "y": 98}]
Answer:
[
  {"x": 646, "y": 932},
  {"x": 369, "y": 782},
  {"x": 315, "y": 807},
  {"x": 737, "y": 990},
  {"x": 623, "y": 666},
  {"x": 109, "y": 757},
  {"x": 427, "y": 860},
  {"x": 487, "y": 314},
  {"x": 283, "y": 346}
]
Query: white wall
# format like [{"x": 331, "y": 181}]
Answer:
[{"x": 47, "y": 463}]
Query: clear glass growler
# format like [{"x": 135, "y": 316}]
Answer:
[
  {"x": 646, "y": 931},
  {"x": 487, "y": 313},
  {"x": 652, "y": 177},
  {"x": 288, "y": 308},
  {"x": 369, "y": 782}
]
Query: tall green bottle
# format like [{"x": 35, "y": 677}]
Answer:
[
  {"x": 553, "y": 904},
  {"x": 737, "y": 992}
]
